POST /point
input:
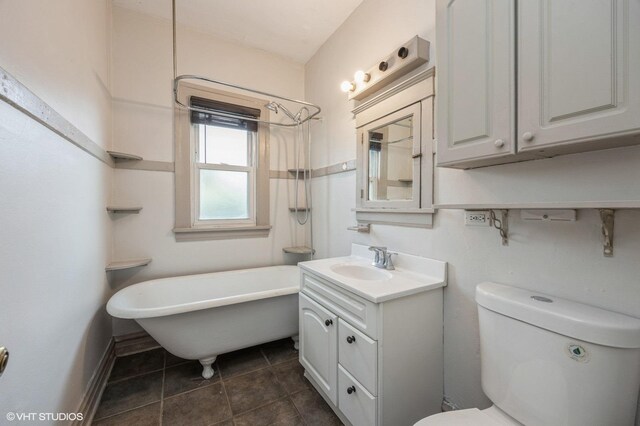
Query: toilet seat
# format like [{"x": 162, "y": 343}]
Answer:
[{"x": 492, "y": 416}]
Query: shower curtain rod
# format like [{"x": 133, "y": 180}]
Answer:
[{"x": 177, "y": 79}]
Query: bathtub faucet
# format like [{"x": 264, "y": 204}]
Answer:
[{"x": 383, "y": 258}]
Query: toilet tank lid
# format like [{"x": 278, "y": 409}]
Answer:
[{"x": 561, "y": 316}]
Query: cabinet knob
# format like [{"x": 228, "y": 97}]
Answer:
[
  {"x": 351, "y": 389},
  {"x": 527, "y": 136},
  {"x": 328, "y": 322},
  {"x": 499, "y": 143},
  {"x": 351, "y": 339}
]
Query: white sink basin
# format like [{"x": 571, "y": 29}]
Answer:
[{"x": 359, "y": 272}]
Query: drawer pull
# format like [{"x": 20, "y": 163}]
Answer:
[
  {"x": 351, "y": 389},
  {"x": 351, "y": 339},
  {"x": 328, "y": 322}
]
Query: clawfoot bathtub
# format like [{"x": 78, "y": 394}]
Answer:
[{"x": 202, "y": 316}]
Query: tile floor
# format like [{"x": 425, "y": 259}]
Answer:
[{"x": 262, "y": 385}]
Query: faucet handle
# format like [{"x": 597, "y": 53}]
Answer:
[{"x": 377, "y": 248}]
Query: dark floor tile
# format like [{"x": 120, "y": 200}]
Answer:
[
  {"x": 171, "y": 360},
  {"x": 253, "y": 390},
  {"x": 140, "y": 363},
  {"x": 204, "y": 407},
  {"x": 290, "y": 374},
  {"x": 130, "y": 393},
  {"x": 225, "y": 423},
  {"x": 185, "y": 377},
  {"x": 146, "y": 416},
  {"x": 275, "y": 412},
  {"x": 279, "y": 351},
  {"x": 293, "y": 421},
  {"x": 240, "y": 362},
  {"x": 314, "y": 410}
]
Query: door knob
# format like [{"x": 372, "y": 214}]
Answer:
[
  {"x": 527, "y": 136},
  {"x": 351, "y": 389},
  {"x": 328, "y": 322},
  {"x": 351, "y": 339},
  {"x": 4, "y": 359},
  {"x": 499, "y": 143}
]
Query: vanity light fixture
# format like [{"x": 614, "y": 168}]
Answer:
[
  {"x": 347, "y": 86},
  {"x": 399, "y": 62},
  {"x": 361, "y": 76}
]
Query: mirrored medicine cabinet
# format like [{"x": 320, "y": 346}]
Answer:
[{"x": 395, "y": 154}]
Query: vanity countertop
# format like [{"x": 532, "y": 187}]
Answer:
[{"x": 355, "y": 273}]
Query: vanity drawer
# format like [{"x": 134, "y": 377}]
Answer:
[
  {"x": 358, "y": 354},
  {"x": 361, "y": 313},
  {"x": 354, "y": 401}
]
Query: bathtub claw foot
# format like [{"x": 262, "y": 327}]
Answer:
[
  {"x": 207, "y": 364},
  {"x": 296, "y": 342}
]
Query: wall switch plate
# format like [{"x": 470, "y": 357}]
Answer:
[{"x": 477, "y": 218}]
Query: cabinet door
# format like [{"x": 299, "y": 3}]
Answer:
[
  {"x": 578, "y": 73},
  {"x": 318, "y": 345},
  {"x": 475, "y": 98}
]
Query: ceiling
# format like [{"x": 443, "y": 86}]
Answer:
[{"x": 292, "y": 28}]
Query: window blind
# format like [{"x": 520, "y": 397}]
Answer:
[{"x": 212, "y": 119}]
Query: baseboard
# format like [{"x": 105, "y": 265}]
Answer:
[
  {"x": 98, "y": 382},
  {"x": 133, "y": 343}
]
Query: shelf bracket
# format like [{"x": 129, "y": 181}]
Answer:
[
  {"x": 607, "y": 217},
  {"x": 501, "y": 224}
]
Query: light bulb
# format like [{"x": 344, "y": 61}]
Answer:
[
  {"x": 361, "y": 76},
  {"x": 347, "y": 86}
]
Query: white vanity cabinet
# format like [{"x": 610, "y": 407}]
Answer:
[
  {"x": 375, "y": 363},
  {"x": 525, "y": 79}
]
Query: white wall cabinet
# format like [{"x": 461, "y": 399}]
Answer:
[
  {"x": 576, "y": 80},
  {"x": 374, "y": 363}
]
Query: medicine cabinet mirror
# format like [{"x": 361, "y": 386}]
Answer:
[{"x": 395, "y": 154}]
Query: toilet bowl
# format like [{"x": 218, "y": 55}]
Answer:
[
  {"x": 492, "y": 416},
  {"x": 535, "y": 348}
]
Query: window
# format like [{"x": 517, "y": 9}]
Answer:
[{"x": 221, "y": 166}]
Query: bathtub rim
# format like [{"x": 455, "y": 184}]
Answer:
[{"x": 139, "y": 313}]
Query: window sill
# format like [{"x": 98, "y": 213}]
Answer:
[{"x": 196, "y": 234}]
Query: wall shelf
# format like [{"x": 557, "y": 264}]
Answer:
[
  {"x": 123, "y": 209},
  {"x": 607, "y": 210},
  {"x": 299, "y": 250},
  {"x": 616, "y": 204},
  {"x": 123, "y": 156},
  {"x": 126, "y": 264}
]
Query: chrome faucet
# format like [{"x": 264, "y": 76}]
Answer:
[{"x": 383, "y": 258}]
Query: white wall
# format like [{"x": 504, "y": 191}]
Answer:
[
  {"x": 563, "y": 259},
  {"x": 143, "y": 114},
  {"x": 55, "y": 233}
]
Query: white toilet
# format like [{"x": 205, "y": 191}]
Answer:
[{"x": 550, "y": 361}]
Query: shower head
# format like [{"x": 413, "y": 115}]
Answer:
[{"x": 275, "y": 107}]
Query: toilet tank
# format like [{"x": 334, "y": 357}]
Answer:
[{"x": 550, "y": 361}]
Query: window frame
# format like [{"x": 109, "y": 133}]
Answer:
[{"x": 188, "y": 226}]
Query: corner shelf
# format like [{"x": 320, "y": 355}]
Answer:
[
  {"x": 126, "y": 264},
  {"x": 123, "y": 209},
  {"x": 298, "y": 250},
  {"x": 123, "y": 156}
]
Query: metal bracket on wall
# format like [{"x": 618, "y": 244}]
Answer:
[
  {"x": 365, "y": 228},
  {"x": 607, "y": 217},
  {"x": 501, "y": 224}
]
